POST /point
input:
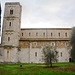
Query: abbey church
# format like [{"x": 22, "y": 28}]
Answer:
[{"x": 25, "y": 44}]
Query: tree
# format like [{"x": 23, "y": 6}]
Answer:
[
  {"x": 49, "y": 55},
  {"x": 73, "y": 44}
]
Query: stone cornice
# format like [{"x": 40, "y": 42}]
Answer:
[
  {"x": 44, "y": 39},
  {"x": 46, "y": 28}
]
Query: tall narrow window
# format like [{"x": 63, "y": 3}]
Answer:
[
  {"x": 51, "y": 34},
  {"x": 11, "y": 12},
  {"x": 43, "y": 34},
  {"x": 7, "y": 53},
  {"x": 36, "y": 34},
  {"x": 35, "y": 54},
  {"x": 66, "y": 34},
  {"x": 61, "y": 54},
  {"x": 59, "y": 34},
  {"x": 9, "y": 23},
  {"x": 29, "y": 34},
  {"x": 8, "y": 38},
  {"x": 22, "y": 34}
]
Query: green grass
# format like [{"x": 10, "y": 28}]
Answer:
[{"x": 37, "y": 69}]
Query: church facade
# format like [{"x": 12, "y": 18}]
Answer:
[{"x": 25, "y": 44}]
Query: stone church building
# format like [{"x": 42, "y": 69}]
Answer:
[{"x": 25, "y": 44}]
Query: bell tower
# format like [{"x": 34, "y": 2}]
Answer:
[{"x": 11, "y": 31}]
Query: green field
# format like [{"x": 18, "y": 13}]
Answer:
[{"x": 37, "y": 69}]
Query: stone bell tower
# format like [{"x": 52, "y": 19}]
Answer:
[{"x": 11, "y": 31}]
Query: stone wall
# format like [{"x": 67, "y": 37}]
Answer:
[
  {"x": 34, "y": 55},
  {"x": 40, "y": 44},
  {"x": 31, "y": 51},
  {"x": 46, "y": 33},
  {"x": 63, "y": 55},
  {"x": 24, "y": 55},
  {"x": 1, "y": 54},
  {"x": 10, "y": 55}
]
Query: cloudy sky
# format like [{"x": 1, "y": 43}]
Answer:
[{"x": 46, "y": 13}]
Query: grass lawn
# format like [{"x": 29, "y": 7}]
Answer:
[{"x": 37, "y": 69}]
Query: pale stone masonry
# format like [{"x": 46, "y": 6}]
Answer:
[{"x": 25, "y": 45}]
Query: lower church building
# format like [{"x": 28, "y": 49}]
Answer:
[{"x": 25, "y": 44}]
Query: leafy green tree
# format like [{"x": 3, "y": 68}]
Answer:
[
  {"x": 49, "y": 55},
  {"x": 73, "y": 44}
]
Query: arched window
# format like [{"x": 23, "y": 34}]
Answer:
[
  {"x": 11, "y": 12},
  {"x": 66, "y": 44},
  {"x": 8, "y": 38},
  {"x": 52, "y": 44},
  {"x": 35, "y": 43}
]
